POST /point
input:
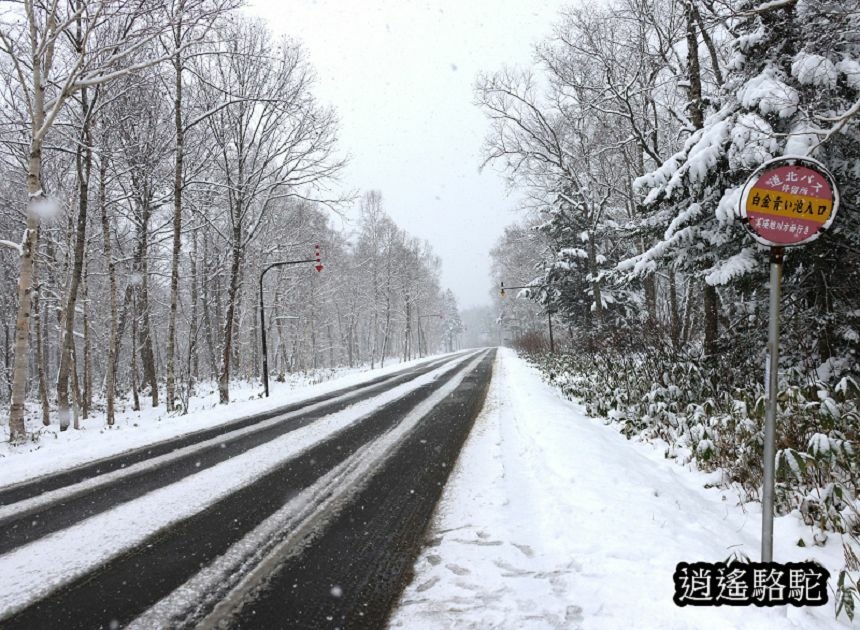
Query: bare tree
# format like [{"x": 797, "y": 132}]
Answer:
[
  {"x": 56, "y": 51},
  {"x": 273, "y": 142}
]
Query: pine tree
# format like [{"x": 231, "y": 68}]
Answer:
[{"x": 792, "y": 78}]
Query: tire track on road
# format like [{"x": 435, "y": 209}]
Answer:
[{"x": 356, "y": 568}]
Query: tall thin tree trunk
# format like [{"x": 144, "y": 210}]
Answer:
[
  {"x": 141, "y": 289},
  {"x": 387, "y": 309},
  {"x": 207, "y": 301},
  {"x": 256, "y": 360},
  {"x": 649, "y": 284},
  {"x": 595, "y": 283},
  {"x": 712, "y": 310},
  {"x": 674, "y": 316},
  {"x": 113, "y": 335},
  {"x": 177, "y": 213},
  {"x": 76, "y": 390},
  {"x": 193, "y": 328},
  {"x": 40, "y": 352},
  {"x": 697, "y": 118},
  {"x": 687, "y": 323},
  {"x": 232, "y": 295},
  {"x": 87, "y": 400},
  {"x": 135, "y": 396},
  {"x": 83, "y": 161},
  {"x": 20, "y": 369},
  {"x": 238, "y": 314},
  {"x": 407, "y": 345}
]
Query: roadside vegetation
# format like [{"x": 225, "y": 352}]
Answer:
[{"x": 633, "y": 138}]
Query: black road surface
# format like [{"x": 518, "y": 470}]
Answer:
[
  {"x": 27, "y": 525},
  {"x": 348, "y": 570}
]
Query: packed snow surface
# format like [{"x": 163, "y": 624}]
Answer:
[{"x": 554, "y": 520}]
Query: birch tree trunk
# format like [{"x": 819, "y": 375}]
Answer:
[
  {"x": 20, "y": 367},
  {"x": 87, "y": 399},
  {"x": 40, "y": 353},
  {"x": 113, "y": 334},
  {"x": 83, "y": 162},
  {"x": 177, "y": 217}
]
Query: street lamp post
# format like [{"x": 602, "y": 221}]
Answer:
[
  {"x": 263, "y": 311},
  {"x": 502, "y": 289}
]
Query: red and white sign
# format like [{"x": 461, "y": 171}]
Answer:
[
  {"x": 318, "y": 266},
  {"x": 789, "y": 201}
]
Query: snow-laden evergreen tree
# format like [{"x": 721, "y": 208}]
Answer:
[
  {"x": 791, "y": 88},
  {"x": 570, "y": 282}
]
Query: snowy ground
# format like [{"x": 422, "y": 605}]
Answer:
[
  {"x": 52, "y": 450},
  {"x": 553, "y": 520}
]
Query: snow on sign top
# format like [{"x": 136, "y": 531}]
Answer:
[{"x": 789, "y": 201}]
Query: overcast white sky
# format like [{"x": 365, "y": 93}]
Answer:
[{"x": 401, "y": 75}]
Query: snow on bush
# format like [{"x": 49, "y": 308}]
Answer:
[
  {"x": 814, "y": 70},
  {"x": 727, "y": 208},
  {"x": 770, "y": 94},
  {"x": 738, "y": 265},
  {"x": 752, "y": 142},
  {"x": 851, "y": 69},
  {"x": 801, "y": 140}
]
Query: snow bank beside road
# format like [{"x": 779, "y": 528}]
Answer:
[{"x": 553, "y": 520}]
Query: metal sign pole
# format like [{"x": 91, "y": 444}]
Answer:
[
  {"x": 786, "y": 202},
  {"x": 776, "y": 256}
]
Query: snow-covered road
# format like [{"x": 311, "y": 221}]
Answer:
[
  {"x": 201, "y": 544},
  {"x": 553, "y": 520},
  {"x": 36, "y": 569}
]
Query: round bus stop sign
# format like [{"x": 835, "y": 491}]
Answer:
[{"x": 789, "y": 201}]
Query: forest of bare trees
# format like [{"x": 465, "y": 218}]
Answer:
[{"x": 156, "y": 156}]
